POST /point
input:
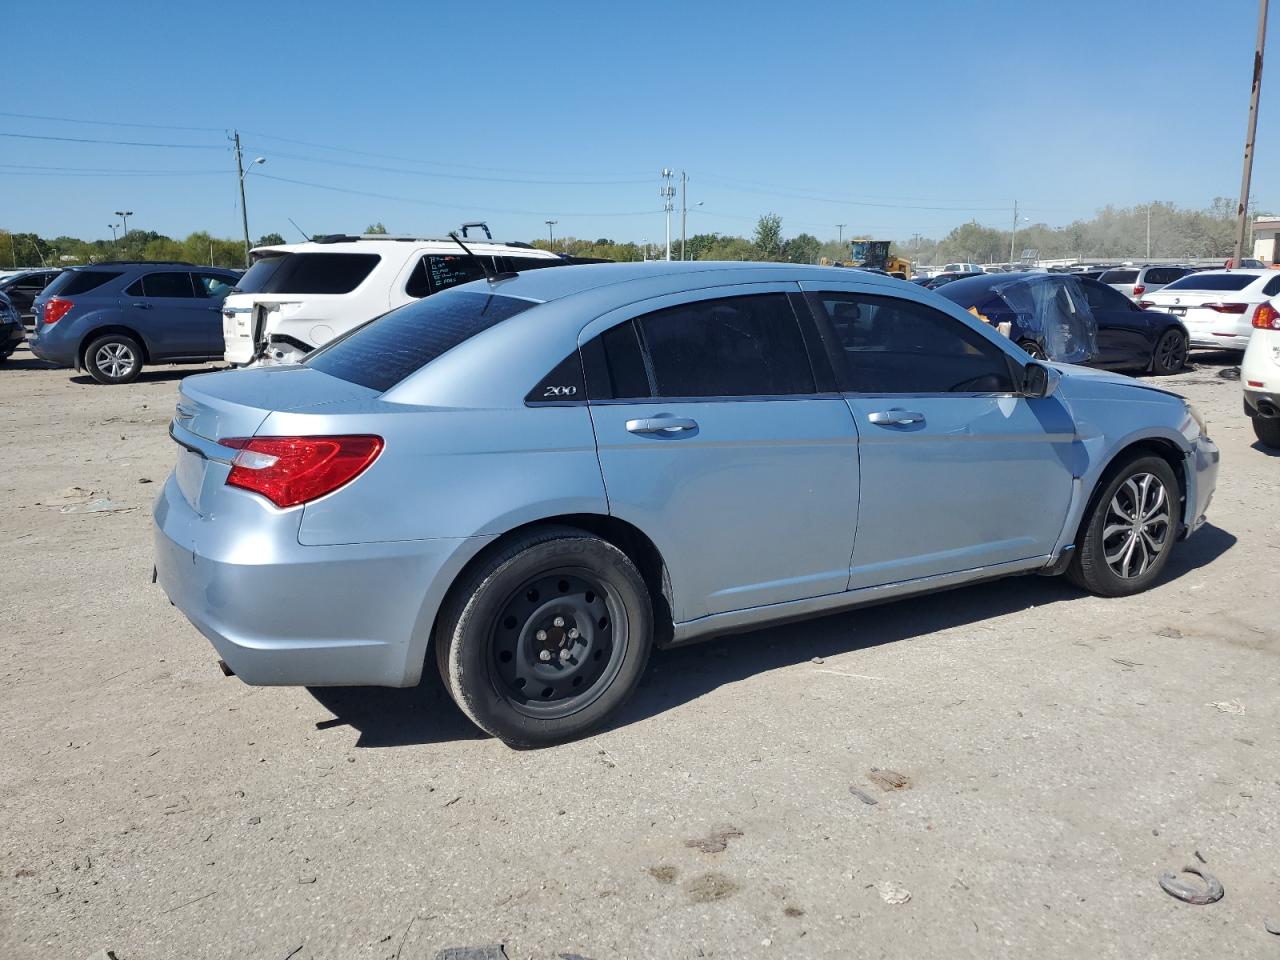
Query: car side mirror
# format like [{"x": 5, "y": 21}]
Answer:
[{"x": 1039, "y": 381}]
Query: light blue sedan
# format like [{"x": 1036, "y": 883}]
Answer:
[{"x": 534, "y": 480}]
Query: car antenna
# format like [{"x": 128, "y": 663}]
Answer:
[
  {"x": 299, "y": 229},
  {"x": 490, "y": 274}
]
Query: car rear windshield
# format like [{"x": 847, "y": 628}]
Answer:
[
  {"x": 381, "y": 353},
  {"x": 72, "y": 282},
  {"x": 1119, "y": 276},
  {"x": 308, "y": 273},
  {"x": 1213, "y": 281}
]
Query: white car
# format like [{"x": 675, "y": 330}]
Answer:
[
  {"x": 961, "y": 268},
  {"x": 296, "y": 297},
  {"x": 1260, "y": 374},
  {"x": 1216, "y": 306}
]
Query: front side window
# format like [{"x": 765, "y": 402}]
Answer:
[
  {"x": 213, "y": 287},
  {"x": 889, "y": 345},
  {"x": 729, "y": 347},
  {"x": 174, "y": 284},
  {"x": 381, "y": 353}
]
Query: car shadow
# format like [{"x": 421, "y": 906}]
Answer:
[
  {"x": 1264, "y": 449},
  {"x": 157, "y": 375},
  {"x": 426, "y": 713},
  {"x": 20, "y": 361}
]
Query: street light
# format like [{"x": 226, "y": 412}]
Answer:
[
  {"x": 124, "y": 216},
  {"x": 244, "y": 210},
  {"x": 114, "y": 252},
  {"x": 644, "y": 249},
  {"x": 551, "y": 232},
  {"x": 1016, "y": 220}
]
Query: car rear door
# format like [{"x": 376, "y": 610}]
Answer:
[
  {"x": 717, "y": 440},
  {"x": 163, "y": 308},
  {"x": 1124, "y": 331},
  {"x": 957, "y": 469}
]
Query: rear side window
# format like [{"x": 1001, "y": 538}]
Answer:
[
  {"x": 1119, "y": 276},
  {"x": 1213, "y": 281},
  {"x": 1272, "y": 288},
  {"x": 381, "y": 353},
  {"x": 173, "y": 284},
  {"x": 1164, "y": 274},
  {"x": 308, "y": 273},
  {"x": 73, "y": 282},
  {"x": 730, "y": 347},
  {"x": 436, "y": 272}
]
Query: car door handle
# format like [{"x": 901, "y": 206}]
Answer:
[
  {"x": 142, "y": 306},
  {"x": 895, "y": 418},
  {"x": 661, "y": 425}
]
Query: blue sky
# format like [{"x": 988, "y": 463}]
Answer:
[{"x": 890, "y": 118}]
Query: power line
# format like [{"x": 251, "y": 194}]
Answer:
[
  {"x": 108, "y": 123},
  {"x": 34, "y": 170},
  {"x": 452, "y": 206},
  {"x": 445, "y": 176},
  {"x": 120, "y": 143},
  {"x": 817, "y": 198}
]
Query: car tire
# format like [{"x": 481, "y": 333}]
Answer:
[
  {"x": 546, "y": 638},
  {"x": 1267, "y": 430},
  {"x": 1033, "y": 349},
  {"x": 1170, "y": 354},
  {"x": 1116, "y": 555},
  {"x": 6, "y": 354},
  {"x": 113, "y": 359}
]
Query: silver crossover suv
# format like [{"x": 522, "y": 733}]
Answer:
[{"x": 532, "y": 480}]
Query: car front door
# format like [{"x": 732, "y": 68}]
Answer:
[
  {"x": 957, "y": 469},
  {"x": 1124, "y": 331},
  {"x": 163, "y": 308},
  {"x": 716, "y": 440}
]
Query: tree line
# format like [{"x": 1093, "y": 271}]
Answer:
[{"x": 1113, "y": 233}]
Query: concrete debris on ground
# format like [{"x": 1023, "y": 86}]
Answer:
[
  {"x": 893, "y": 893},
  {"x": 1211, "y": 892},
  {"x": 1234, "y": 707}
]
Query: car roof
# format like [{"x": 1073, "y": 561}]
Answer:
[{"x": 372, "y": 244}]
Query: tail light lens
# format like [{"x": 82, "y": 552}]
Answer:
[
  {"x": 1266, "y": 317},
  {"x": 55, "y": 309},
  {"x": 293, "y": 470},
  {"x": 1146, "y": 304},
  {"x": 1139, "y": 289},
  {"x": 1226, "y": 307}
]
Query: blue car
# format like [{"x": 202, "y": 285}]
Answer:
[
  {"x": 11, "y": 329},
  {"x": 529, "y": 482},
  {"x": 112, "y": 318}
]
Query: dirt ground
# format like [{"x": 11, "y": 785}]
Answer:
[{"x": 1037, "y": 758}]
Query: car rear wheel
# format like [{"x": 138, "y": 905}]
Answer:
[
  {"x": 115, "y": 358},
  {"x": 1034, "y": 349},
  {"x": 1267, "y": 430},
  {"x": 547, "y": 638},
  {"x": 1130, "y": 530},
  {"x": 1170, "y": 354}
]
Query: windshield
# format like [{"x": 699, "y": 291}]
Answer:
[
  {"x": 1213, "y": 281},
  {"x": 381, "y": 353}
]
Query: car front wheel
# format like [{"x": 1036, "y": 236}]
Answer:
[
  {"x": 115, "y": 358},
  {"x": 1130, "y": 530},
  {"x": 1034, "y": 349},
  {"x": 1170, "y": 354},
  {"x": 547, "y": 638}
]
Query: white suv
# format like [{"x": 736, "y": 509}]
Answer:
[
  {"x": 1260, "y": 374},
  {"x": 298, "y": 296}
]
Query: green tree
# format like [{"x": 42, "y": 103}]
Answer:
[
  {"x": 731, "y": 248},
  {"x": 698, "y": 244},
  {"x": 269, "y": 240},
  {"x": 768, "y": 237},
  {"x": 376, "y": 228},
  {"x": 803, "y": 248}
]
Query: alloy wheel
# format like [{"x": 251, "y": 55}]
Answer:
[
  {"x": 114, "y": 359},
  {"x": 1171, "y": 354},
  {"x": 1137, "y": 526},
  {"x": 557, "y": 644}
]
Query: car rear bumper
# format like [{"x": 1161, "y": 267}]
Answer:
[
  {"x": 1204, "y": 339},
  {"x": 285, "y": 614}
]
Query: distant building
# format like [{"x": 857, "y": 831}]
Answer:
[{"x": 1266, "y": 246}]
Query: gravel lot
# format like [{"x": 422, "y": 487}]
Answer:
[{"x": 1059, "y": 752}]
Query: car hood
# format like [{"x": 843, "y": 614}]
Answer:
[{"x": 1091, "y": 377}]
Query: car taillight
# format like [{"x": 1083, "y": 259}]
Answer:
[
  {"x": 1139, "y": 289},
  {"x": 1226, "y": 307},
  {"x": 1266, "y": 317},
  {"x": 1146, "y": 304},
  {"x": 293, "y": 470},
  {"x": 55, "y": 309}
]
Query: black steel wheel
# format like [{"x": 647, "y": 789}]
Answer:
[
  {"x": 1170, "y": 354},
  {"x": 546, "y": 638}
]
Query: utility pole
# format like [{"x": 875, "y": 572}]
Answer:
[
  {"x": 1148, "y": 231},
  {"x": 124, "y": 216},
  {"x": 840, "y": 227},
  {"x": 551, "y": 233},
  {"x": 1242, "y": 214},
  {"x": 1013, "y": 235},
  {"x": 114, "y": 252},
  {"x": 244, "y": 211},
  {"x": 668, "y": 194},
  {"x": 684, "y": 207}
]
